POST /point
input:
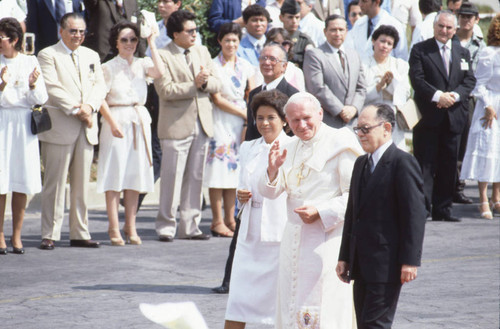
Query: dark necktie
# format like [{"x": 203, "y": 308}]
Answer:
[
  {"x": 370, "y": 29},
  {"x": 342, "y": 61},
  {"x": 367, "y": 171},
  {"x": 187, "y": 54},
  {"x": 60, "y": 10}
]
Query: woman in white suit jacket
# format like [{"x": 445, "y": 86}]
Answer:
[{"x": 252, "y": 293}]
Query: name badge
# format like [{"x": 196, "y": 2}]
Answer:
[{"x": 464, "y": 66}]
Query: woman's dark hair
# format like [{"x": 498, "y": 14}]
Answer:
[
  {"x": 273, "y": 98},
  {"x": 228, "y": 28},
  {"x": 388, "y": 30},
  {"x": 287, "y": 39},
  {"x": 115, "y": 32},
  {"x": 176, "y": 21},
  {"x": 12, "y": 29},
  {"x": 493, "y": 39}
]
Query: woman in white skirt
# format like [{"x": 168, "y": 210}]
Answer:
[
  {"x": 254, "y": 276},
  {"x": 482, "y": 156},
  {"x": 21, "y": 87},
  {"x": 125, "y": 162}
]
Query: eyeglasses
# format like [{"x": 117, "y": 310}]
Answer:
[
  {"x": 354, "y": 14},
  {"x": 191, "y": 31},
  {"x": 131, "y": 40},
  {"x": 271, "y": 59},
  {"x": 366, "y": 129},
  {"x": 2, "y": 38},
  {"x": 77, "y": 31}
]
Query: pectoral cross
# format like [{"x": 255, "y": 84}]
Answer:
[{"x": 299, "y": 174}]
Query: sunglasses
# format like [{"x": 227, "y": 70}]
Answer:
[{"x": 131, "y": 40}]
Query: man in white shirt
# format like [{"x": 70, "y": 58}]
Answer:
[
  {"x": 256, "y": 19},
  {"x": 359, "y": 37},
  {"x": 425, "y": 29},
  {"x": 407, "y": 12},
  {"x": 310, "y": 24}
]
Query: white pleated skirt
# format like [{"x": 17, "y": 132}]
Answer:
[{"x": 19, "y": 153}]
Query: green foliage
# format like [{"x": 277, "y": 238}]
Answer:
[{"x": 201, "y": 9}]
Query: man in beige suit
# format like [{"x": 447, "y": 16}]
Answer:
[
  {"x": 184, "y": 126},
  {"x": 76, "y": 89}
]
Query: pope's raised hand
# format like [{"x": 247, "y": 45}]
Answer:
[{"x": 276, "y": 160}]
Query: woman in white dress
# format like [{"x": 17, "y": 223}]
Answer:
[
  {"x": 253, "y": 287},
  {"x": 21, "y": 87},
  {"x": 387, "y": 77},
  {"x": 125, "y": 162},
  {"x": 482, "y": 156},
  {"x": 222, "y": 166}
]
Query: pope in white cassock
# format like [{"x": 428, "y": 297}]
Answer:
[{"x": 314, "y": 169}]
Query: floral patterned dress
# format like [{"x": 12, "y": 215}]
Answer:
[{"x": 222, "y": 167}]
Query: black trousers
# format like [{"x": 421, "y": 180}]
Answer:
[
  {"x": 436, "y": 150},
  {"x": 375, "y": 303},
  {"x": 230, "y": 257}
]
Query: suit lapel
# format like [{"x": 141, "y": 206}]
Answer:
[
  {"x": 68, "y": 64},
  {"x": 455, "y": 62},
  {"x": 436, "y": 58},
  {"x": 378, "y": 176},
  {"x": 357, "y": 184},
  {"x": 334, "y": 63},
  {"x": 180, "y": 59},
  {"x": 112, "y": 10},
  {"x": 52, "y": 10},
  {"x": 196, "y": 61}
]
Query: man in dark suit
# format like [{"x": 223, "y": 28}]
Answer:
[
  {"x": 442, "y": 77},
  {"x": 384, "y": 221},
  {"x": 335, "y": 75},
  {"x": 43, "y": 19},
  {"x": 272, "y": 63},
  {"x": 103, "y": 14}
]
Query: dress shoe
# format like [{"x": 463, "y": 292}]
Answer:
[
  {"x": 15, "y": 250},
  {"x": 201, "y": 236},
  {"x": 486, "y": 214},
  {"x": 3, "y": 251},
  {"x": 223, "y": 231},
  {"x": 223, "y": 289},
  {"x": 115, "y": 237},
  {"x": 84, "y": 243},
  {"x": 166, "y": 238},
  {"x": 132, "y": 239},
  {"x": 448, "y": 218},
  {"x": 460, "y": 197},
  {"x": 47, "y": 244}
]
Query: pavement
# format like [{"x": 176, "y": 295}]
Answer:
[{"x": 457, "y": 286}]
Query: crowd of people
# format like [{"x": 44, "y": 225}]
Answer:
[{"x": 301, "y": 128}]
